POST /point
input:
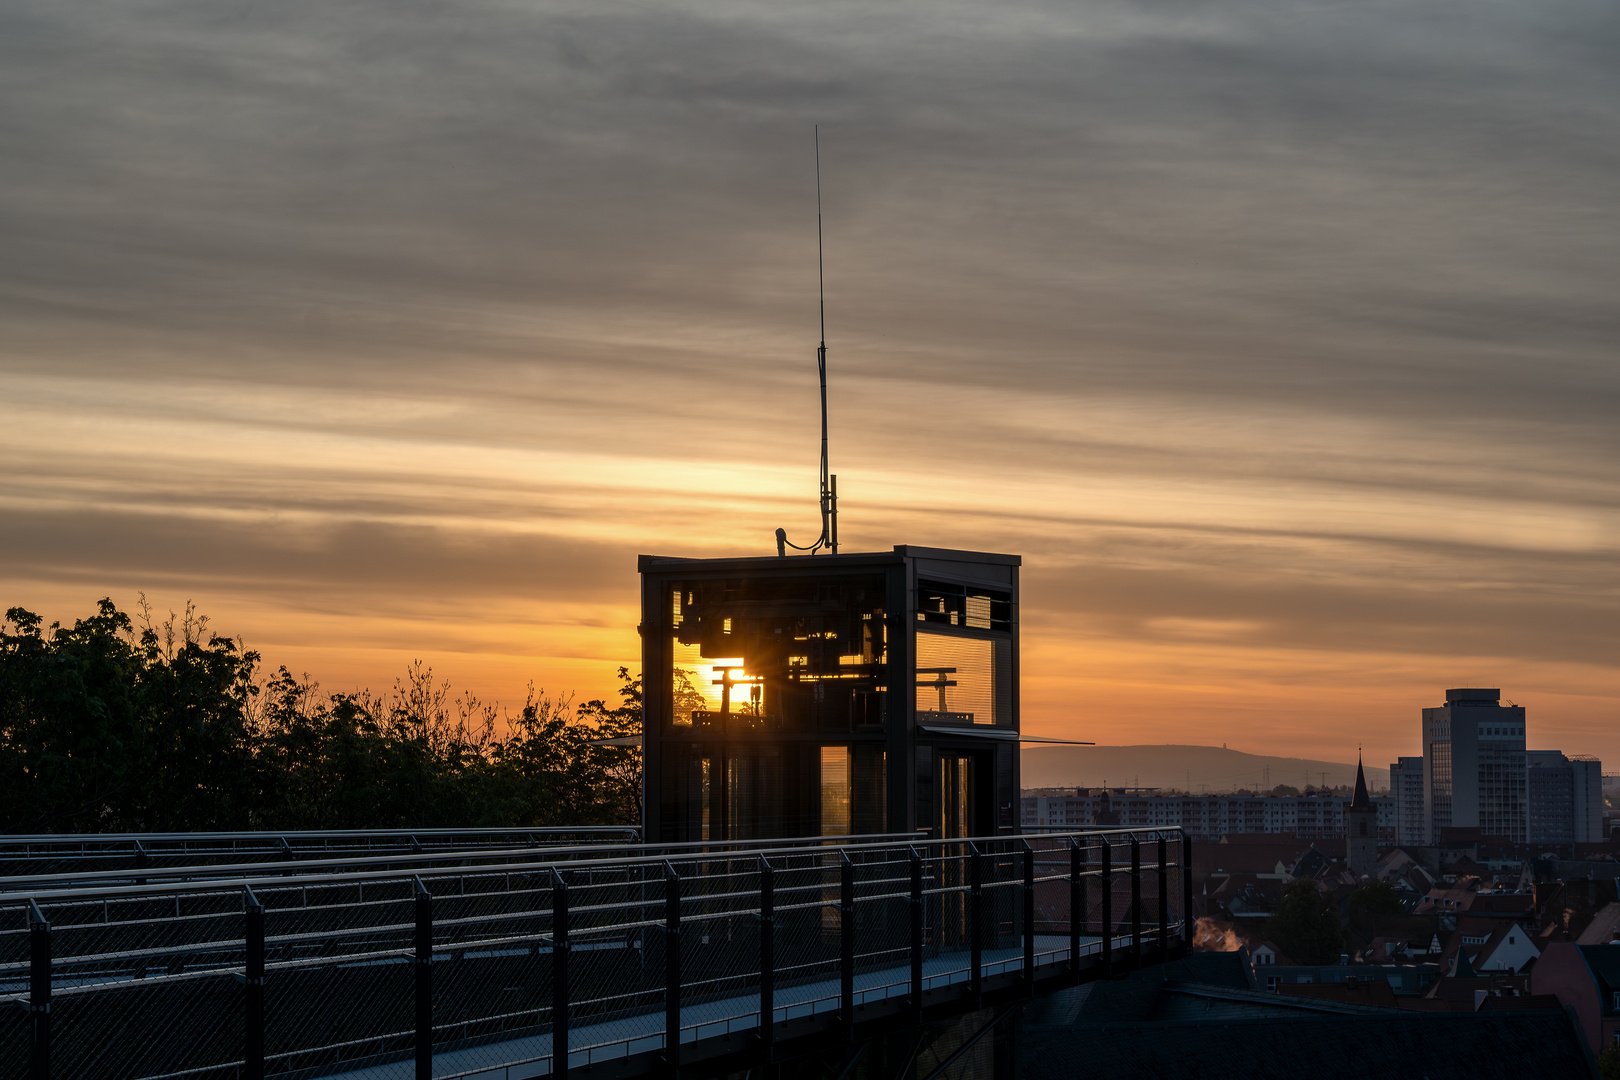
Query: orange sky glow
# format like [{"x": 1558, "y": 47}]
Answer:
[{"x": 1290, "y": 376}]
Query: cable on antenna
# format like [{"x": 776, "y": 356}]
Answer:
[{"x": 828, "y": 540}]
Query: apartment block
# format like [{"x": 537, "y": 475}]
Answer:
[
  {"x": 1406, "y": 789},
  {"x": 1207, "y": 817},
  {"x": 1474, "y": 765}
]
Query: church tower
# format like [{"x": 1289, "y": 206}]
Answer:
[{"x": 1361, "y": 828}]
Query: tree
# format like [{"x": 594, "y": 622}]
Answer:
[
  {"x": 619, "y": 766},
  {"x": 106, "y": 729},
  {"x": 101, "y": 731},
  {"x": 1373, "y": 904},
  {"x": 1609, "y": 1062},
  {"x": 1306, "y": 924}
]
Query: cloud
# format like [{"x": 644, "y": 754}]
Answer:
[{"x": 1258, "y": 327}]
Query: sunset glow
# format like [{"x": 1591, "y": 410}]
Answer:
[{"x": 1295, "y": 422}]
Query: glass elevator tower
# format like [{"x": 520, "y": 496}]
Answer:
[{"x": 830, "y": 695}]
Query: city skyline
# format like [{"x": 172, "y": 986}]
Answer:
[{"x": 1277, "y": 342}]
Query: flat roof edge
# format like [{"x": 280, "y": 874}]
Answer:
[
  {"x": 958, "y": 555},
  {"x": 646, "y": 563}
]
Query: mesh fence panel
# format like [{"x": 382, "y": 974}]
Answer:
[
  {"x": 339, "y": 981},
  {"x": 151, "y": 982},
  {"x": 13, "y": 1043}
]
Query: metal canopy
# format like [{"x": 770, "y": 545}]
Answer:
[{"x": 994, "y": 734}]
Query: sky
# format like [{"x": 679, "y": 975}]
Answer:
[{"x": 1280, "y": 339}]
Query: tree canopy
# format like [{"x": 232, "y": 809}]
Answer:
[
  {"x": 109, "y": 726},
  {"x": 1371, "y": 905},
  {"x": 1306, "y": 924}
]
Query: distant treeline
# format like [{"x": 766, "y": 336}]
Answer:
[{"x": 110, "y": 726}]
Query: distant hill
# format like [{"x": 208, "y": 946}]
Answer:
[{"x": 1191, "y": 768}]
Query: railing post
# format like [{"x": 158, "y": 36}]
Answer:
[
  {"x": 253, "y": 987},
  {"x": 1077, "y": 904},
  {"x": 140, "y": 861},
  {"x": 976, "y": 918},
  {"x": 39, "y": 994},
  {"x": 1029, "y": 917},
  {"x": 1107, "y": 880},
  {"x": 846, "y": 940},
  {"x": 1186, "y": 888},
  {"x": 1164, "y": 899},
  {"x": 559, "y": 974},
  {"x": 672, "y": 969},
  {"x": 767, "y": 956},
  {"x": 424, "y": 981},
  {"x": 916, "y": 933},
  {"x": 1136, "y": 901}
]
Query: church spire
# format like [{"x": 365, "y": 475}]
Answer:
[{"x": 1360, "y": 801}]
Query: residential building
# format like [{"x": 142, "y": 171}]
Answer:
[
  {"x": 1492, "y": 944},
  {"x": 1204, "y": 1016},
  {"x": 1473, "y": 765},
  {"x": 1586, "y": 798},
  {"x": 1549, "y": 798},
  {"x": 1563, "y": 798},
  {"x": 1586, "y": 978},
  {"x": 1206, "y": 817},
  {"x": 1406, "y": 789}
]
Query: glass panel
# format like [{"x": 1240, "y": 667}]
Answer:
[
  {"x": 835, "y": 791},
  {"x": 754, "y": 793},
  {"x": 705, "y": 796},
  {"x": 963, "y": 605},
  {"x": 956, "y": 679},
  {"x": 869, "y": 788},
  {"x": 705, "y": 689},
  {"x": 792, "y": 653}
]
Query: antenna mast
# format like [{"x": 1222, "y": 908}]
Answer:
[{"x": 828, "y": 540}]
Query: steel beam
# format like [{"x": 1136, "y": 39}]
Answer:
[
  {"x": 767, "y": 956},
  {"x": 39, "y": 994},
  {"x": 559, "y": 973},
  {"x": 253, "y": 987},
  {"x": 1164, "y": 898},
  {"x": 1107, "y": 880},
  {"x": 1136, "y": 900},
  {"x": 424, "y": 981},
  {"x": 672, "y": 969},
  {"x": 846, "y": 940}
]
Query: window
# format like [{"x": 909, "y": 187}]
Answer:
[
  {"x": 957, "y": 605},
  {"x": 962, "y": 679},
  {"x": 835, "y": 791}
]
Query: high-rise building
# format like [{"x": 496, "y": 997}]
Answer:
[
  {"x": 1563, "y": 798},
  {"x": 1586, "y": 799},
  {"x": 1473, "y": 765},
  {"x": 1549, "y": 797},
  {"x": 1406, "y": 789}
]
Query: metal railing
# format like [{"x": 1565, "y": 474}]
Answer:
[
  {"x": 564, "y": 845},
  {"x": 522, "y": 966},
  {"x": 77, "y": 853}
]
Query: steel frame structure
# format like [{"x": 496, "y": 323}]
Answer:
[{"x": 705, "y": 959}]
